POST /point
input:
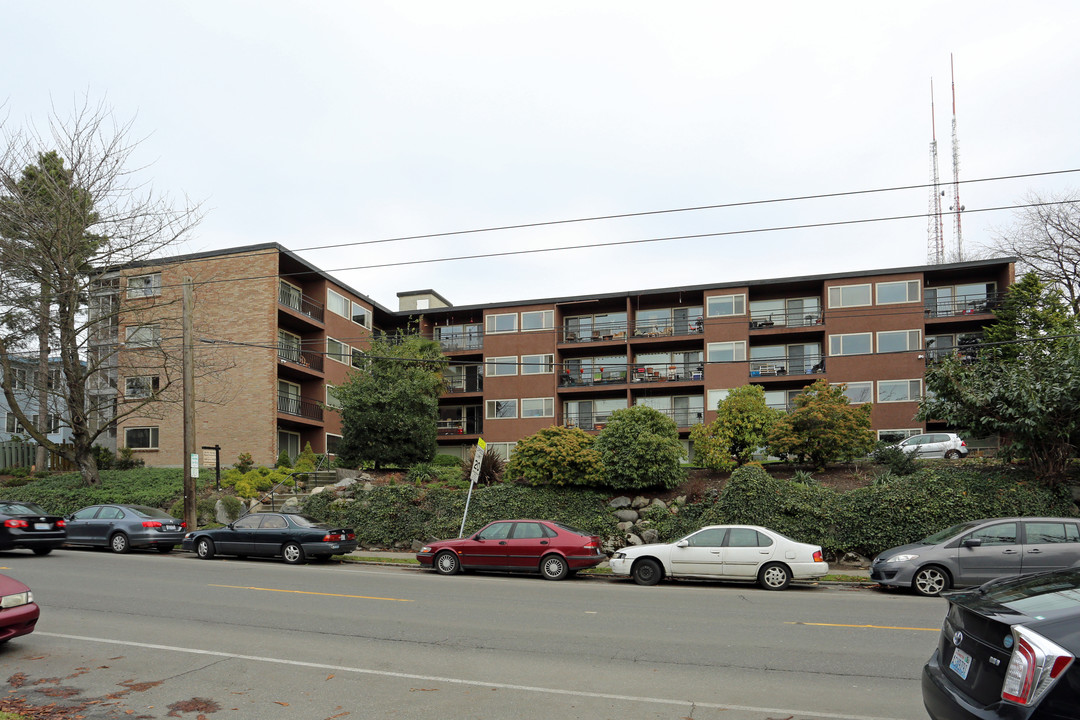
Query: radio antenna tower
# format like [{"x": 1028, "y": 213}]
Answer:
[
  {"x": 935, "y": 243},
  {"x": 957, "y": 208}
]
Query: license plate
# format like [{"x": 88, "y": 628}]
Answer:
[
  {"x": 170, "y": 527},
  {"x": 42, "y": 526},
  {"x": 960, "y": 663}
]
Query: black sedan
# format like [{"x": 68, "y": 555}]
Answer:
[
  {"x": 293, "y": 537},
  {"x": 26, "y": 525},
  {"x": 122, "y": 527},
  {"x": 1008, "y": 651}
]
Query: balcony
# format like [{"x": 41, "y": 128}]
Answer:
[
  {"x": 290, "y": 297},
  {"x": 463, "y": 384},
  {"x": 981, "y": 304},
  {"x": 679, "y": 372},
  {"x": 302, "y": 358},
  {"x": 300, "y": 407},
  {"x": 458, "y": 338},
  {"x": 790, "y": 365},
  {"x": 586, "y": 420},
  {"x": 684, "y": 417},
  {"x": 796, "y": 319},
  {"x": 669, "y": 328},
  {"x": 592, "y": 377},
  {"x": 460, "y": 426},
  {"x": 599, "y": 332}
]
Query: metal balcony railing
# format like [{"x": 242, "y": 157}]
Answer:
[
  {"x": 587, "y": 420},
  {"x": 678, "y": 372},
  {"x": 290, "y": 297},
  {"x": 963, "y": 305},
  {"x": 301, "y": 407},
  {"x": 592, "y": 377},
  {"x": 470, "y": 341},
  {"x": 794, "y": 319},
  {"x": 463, "y": 384},
  {"x": 600, "y": 332},
  {"x": 797, "y": 365},
  {"x": 303, "y": 358},
  {"x": 684, "y": 417},
  {"x": 668, "y": 328},
  {"x": 460, "y": 426}
]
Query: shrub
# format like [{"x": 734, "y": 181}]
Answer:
[
  {"x": 639, "y": 448},
  {"x": 104, "y": 457},
  {"x": 20, "y": 472},
  {"x": 556, "y": 456},
  {"x": 127, "y": 460},
  {"x": 492, "y": 467},
  {"x": 283, "y": 460},
  {"x": 804, "y": 477},
  {"x": 421, "y": 472},
  {"x": 445, "y": 460},
  {"x": 244, "y": 462},
  {"x": 894, "y": 459}
]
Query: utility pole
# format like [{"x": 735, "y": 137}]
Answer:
[{"x": 190, "y": 463}]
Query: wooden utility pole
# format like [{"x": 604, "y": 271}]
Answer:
[{"x": 190, "y": 463}]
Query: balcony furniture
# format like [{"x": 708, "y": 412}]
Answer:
[
  {"x": 621, "y": 335},
  {"x": 672, "y": 372},
  {"x": 697, "y": 375}
]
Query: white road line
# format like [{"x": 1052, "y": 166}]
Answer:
[{"x": 461, "y": 681}]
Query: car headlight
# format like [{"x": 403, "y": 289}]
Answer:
[
  {"x": 16, "y": 600},
  {"x": 619, "y": 556},
  {"x": 907, "y": 557},
  {"x": 425, "y": 549}
]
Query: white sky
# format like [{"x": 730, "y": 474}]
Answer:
[{"x": 318, "y": 123}]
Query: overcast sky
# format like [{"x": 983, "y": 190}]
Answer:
[{"x": 321, "y": 123}]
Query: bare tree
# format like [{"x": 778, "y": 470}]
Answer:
[
  {"x": 72, "y": 216},
  {"x": 1046, "y": 239}
]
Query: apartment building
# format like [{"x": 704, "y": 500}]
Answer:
[
  {"x": 25, "y": 384},
  {"x": 276, "y": 335}
]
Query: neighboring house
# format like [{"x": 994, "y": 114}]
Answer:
[
  {"x": 287, "y": 333},
  {"x": 24, "y": 379}
]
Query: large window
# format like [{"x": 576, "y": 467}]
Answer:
[
  {"x": 537, "y": 364},
  {"x": 842, "y": 296},
  {"x": 537, "y": 407},
  {"x": 899, "y": 390},
  {"x": 332, "y": 443},
  {"x": 141, "y": 438},
  {"x": 361, "y": 316},
  {"x": 501, "y": 409},
  {"x": 337, "y": 303},
  {"x": 144, "y": 285},
  {"x": 503, "y": 323},
  {"x": 332, "y": 400},
  {"x": 538, "y": 320},
  {"x": 501, "y": 366},
  {"x": 715, "y": 397},
  {"x": 725, "y": 305},
  {"x": 858, "y": 393},
  {"x": 727, "y": 351},
  {"x": 898, "y": 341},
  {"x": 142, "y": 386},
  {"x": 855, "y": 344},
  {"x": 52, "y": 423},
  {"x": 13, "y": 425},
  {"x": 143, "y": 336},
  {"x": 337, "y": 350},
  {"x": 906, "y": 291}
]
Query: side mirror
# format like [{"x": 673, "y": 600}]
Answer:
[
  {"x": 972, "y": 542},
  {"x": 682, "y": 544}
]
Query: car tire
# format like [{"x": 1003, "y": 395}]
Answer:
[
  {"x": 163, "y": 549},
  {"x": 554, "y": 567},
  {"x": 774, "y": 576},
  {"x": 930, "y": 581},
  {"x": 952, "y": 454},
  {"x": 646, "y": 572},
  {"x": 293, "y": 554},
  {"x": 119, "y": 544},
  {"x": 42, "y": 551},
  {"x": 204, "y": 548},
  {"x": 447, "y": 563}
]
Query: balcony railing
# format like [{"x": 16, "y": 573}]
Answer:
[
  {"x": 463, "y": 384},
  {"x": 587, "y": 420},
  {"x": 301, "y": 407},
  {"x": 800, "y": 365},
  {"x": 678, "y": 372},
  {"x": 303, "y": 358},
  {"x": 592, "y": 377},
  {"x": 472, "y": 341},
  {"x": 964, "y": 305},
  {"x": 684, "y": 417},
  {"x": 668, "y": 328},
  {"x": 290, "y": 297},
  {"x": 599, "y": 332},
  {"x": 802, "y": 318},
  {"x": 460, "y": 426}
]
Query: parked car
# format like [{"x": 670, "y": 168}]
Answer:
[
  {"x": 27, "y": 525},
  {"x": 291, "y": 536},
  {"x": 972, "y": 553},
  {"x": 1008, "y": 650},
  {"x": 552, "y": 549},
  {"x": 934, "y": 445},
  {"x": 724, "y": 552},
  {"x": 18, "y": 611},
  {"x": 122, "y": 527}
]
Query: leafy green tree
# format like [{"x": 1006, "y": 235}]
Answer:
[
  {"x": 742, "y": 424},
  {"x": 556, "y": 456},
  {"x": 640, "y": 448},
  {"x": 1025, "y": 390},
  {"x": 390, "y": 403},
  {"x": 824, "y": 427}
]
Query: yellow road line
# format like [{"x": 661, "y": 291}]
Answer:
[
  {"x": 308, "y": 592},
  {"x": 871, "y": 627}
]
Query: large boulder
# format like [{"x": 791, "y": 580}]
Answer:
[
  {"x": 626, "y": 515},
  {"x": 639, "y": 502},
  {"x": 650, "y": 535},
  {"x": 620, "y": 502},
  {"x": 632, "y": 539}
]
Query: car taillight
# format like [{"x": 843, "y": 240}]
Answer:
[
  {"x": 963, "y": 444},
  {"x": 333, "y": 537},
  {"x": 1036, "y": 663},
  {"x": 61, "y": 523},
  {"x": 16, "y": 523},
  {"x": 818, "y": 557},
  {"x": 151, "y": 524},
  {"x": 350, "y": 536},
  {"x": 183, "y": 526}
]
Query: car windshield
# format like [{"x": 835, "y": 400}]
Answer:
[
  {"x": 947, "y": 533},
  {"x": 149, "y": 512},
  {"x": 22, "y": 508}
]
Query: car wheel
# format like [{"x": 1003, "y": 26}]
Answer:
[
  {"x": 930, "y": 581},
  {"x": 165, "y": 548},
  {"x": 952, "y": 454},
  {"x": 447, "y": 563},
  {"x": 554, "y": 567},
  {"x": 118, "y": 543},
  {"x": 42, "y": 551},
  {"x": 293, "y": 554},
  {"x": 204, "y": 548},
  {"x": 647, "y": 572},
  {"x": 774, "y": 576}
]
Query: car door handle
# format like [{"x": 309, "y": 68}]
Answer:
[
  {"x": 543, "y": 542},
  {"x": 1035, "y": 551},
  {"x": 502, "y": 542},
  {"x": 1008, "y": 552}
]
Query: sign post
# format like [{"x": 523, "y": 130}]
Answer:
[
  {"x": 478, "y": 459},
  {"x": 215, "y": 458}
]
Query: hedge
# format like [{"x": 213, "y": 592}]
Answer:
[{"x": 65, "y": 493}]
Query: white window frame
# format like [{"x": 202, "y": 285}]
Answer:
[
  {"x": 547, "y": 407},
  {"x": 344, "y": 356},
  {"x": 738, "y": 350},
  {"x": 840, "y": 291},
  {"x": 338, "y": 304},
  {"x": 912, "y": 383},
  {"x": 714, "y": 397},
  {"x": 509, "y": 363},
  {"x": 367, "y": 315},
  {"x": 140, "y": 386},
  {"x": 154, "y": 439},
  {"x": 131, "y": 331},
  {"x": 913, "y": 340},
  {"x": 912, "y": 286},
  {"x": 738, "y": 305},
  {"x": 333, "y": 402},
  {"x": 12, "y": 424},
  {"x": 547, "y": 321},
  {"x": 840, "y": 338},
  {"x": 492, "y": 321},
  {"x": 491, "y": 409},
  {"x": 545, "y": 366},
  {"x": 866, "y": 385},
  {"x": 502, "y": 449},
  {"x": 327, "y": 441},
  {"x": 151, "y": 286}
]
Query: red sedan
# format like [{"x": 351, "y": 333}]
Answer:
[
  {"x": 18, "y": 611},
  {"x": 552, "y": 549}
]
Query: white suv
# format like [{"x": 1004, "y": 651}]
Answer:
[{"x": 934, "y": 445}]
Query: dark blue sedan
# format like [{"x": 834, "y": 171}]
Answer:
[{"x": 290, "y": 536}]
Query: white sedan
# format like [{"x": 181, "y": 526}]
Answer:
[{"x": 724, "y": 552}]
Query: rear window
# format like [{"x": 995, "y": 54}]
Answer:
[
  {"x": 1039, "y": 595},
  {"x": 569, "y": 528},
  {"x": 22, "y": 508},
  {"x": 304, "y": 521},
  {"x": 149, "y": 512}
]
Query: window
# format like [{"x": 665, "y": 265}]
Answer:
[
  {"x": 727, "y": 351},
  {"x": 501, "y": 366},
  {"x": 499, "y": 409},
  {"x": 357, "y": 358},
  {"x": 13, "y": 425},
  {"x": 332, "y": 400},
  {"x": 889, "y": 293},
  {"x": 52, "y": 423},
  {"x": 18, "y": 378},
  {"x": 538, "y": 407},
  {"x": 858, "y": 393},
  {"x": 332, "y": 442},
  {"x": 715, "y": 397},
  {"x": 895, "y": 436},
  {"x": 709, "y": 537},
  {"x": 855, "y": 344},
  {"x": 1001, "y": 534},
  {"x": 337, "y": 350},
  {"x": 142, "y": 386},
  {"x": 501, "y": 449},
  {"x": 538, "y": 320},
  {"x": 745, "y": 537},
  {"x": 144, "y": 285},
  {"x": 337, "y": 303},
  {"x": 501, "y": 323},
  {"x": 1050, "y": 532},
  {"x": 361, "y": 316},
  {"x": 725, "y": 305},
  {"x": 143, "y": 336},
  {"x": 898, "y": 341},
  {"x": 141, "y": 438},
  {"x": 843, "y": 296},
  {"x": 898, "y": 390},
  {"x": 537, "y": 364},
  {"x": 423, "y": 303}
]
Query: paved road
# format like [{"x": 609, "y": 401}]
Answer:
[{"x": 151, "y": 636}]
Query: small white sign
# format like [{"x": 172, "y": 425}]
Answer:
[
  {"x": 194, "y": 465},
  {"x": 478, "y": 458}
]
